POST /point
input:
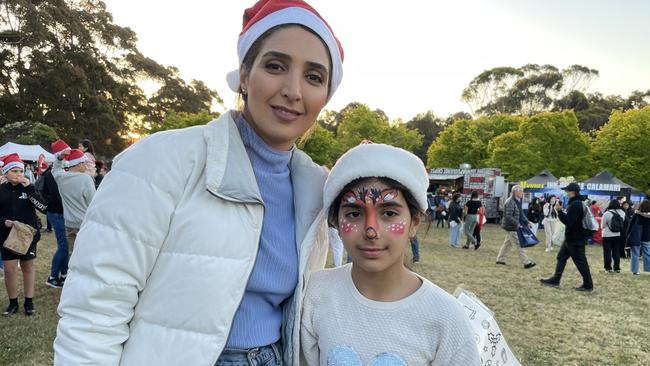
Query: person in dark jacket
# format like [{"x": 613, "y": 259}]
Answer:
[
  {"x": 18, "y": 203},
  {"x": 574, "y": 242},
  {"x": 455, "y": 215},
  {"x": 629, "y": 212},
  {"x": 513, "y": 219},
  {"x": 638, "y": 234},
  {"x": 50, "y": 193}
]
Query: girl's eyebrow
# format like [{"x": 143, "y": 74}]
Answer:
[
  {"x": 390, "y": 204},
  {"x": 287, "y": 58}
]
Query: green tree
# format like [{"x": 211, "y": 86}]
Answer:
[
  {"x": 621, "y": 146},
  {"x": 429, "y": 126},
  {"x": 67, "y": 65},
  {"x": 549, "y": 140},
  {"x": 359, "y": 123},
  {"x": 321, "y": 146},
  {"x": 176, "y": 120},
  {"x": 466, "y": 141},
  {"x": 28, "y": 133}
]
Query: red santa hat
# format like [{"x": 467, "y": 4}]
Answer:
[
  {"x": 266, "y": 14},
  {"x": 370, "y": 160},
  {"x": 11, "y": 161},
  {"x": 76, "y": 157},
  {"x": 59, "y": 147}
]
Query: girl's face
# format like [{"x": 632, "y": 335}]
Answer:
[
  {"x": 82, "y": 147},
  {"x": 375, "y": 225},
  {"x": 552, "y": 200},
  {"x": 287, "y": 86},
  {"x": 15, "y": 176}
]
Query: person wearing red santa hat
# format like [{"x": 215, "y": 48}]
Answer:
[
  {"x": 202, "y": 260},
  {"x": 18, "y": 203},
  {"x": 77, "y": 190}
]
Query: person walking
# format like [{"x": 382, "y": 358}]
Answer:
[
  {"x": 455, "y": 220},
  {"x": 479, "y": 227},
  {"x": 534, "y": 214},
  {"x": 575, "y": 240},
  {"x": 471, "y": 219},
  {"x": 613, "y": 229},
  {"x": 203, "y": 259},
  {"x": 629, "y": 212},
  {"x": 18, "y": 204},
  {"x": 550, "y": 222},
  {"x": 513, "y": 219}
]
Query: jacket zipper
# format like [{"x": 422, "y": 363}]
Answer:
[{"x": 241, "y": 299}]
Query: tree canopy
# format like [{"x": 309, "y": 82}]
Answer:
[{"x": 65, "y": 64}]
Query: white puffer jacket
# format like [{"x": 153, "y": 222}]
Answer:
[{"x": 166, "y": 249}]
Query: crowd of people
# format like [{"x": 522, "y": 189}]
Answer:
[{"x": 62, "y": 192}]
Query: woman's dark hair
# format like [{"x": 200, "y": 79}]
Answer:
[
  {"x": 613, "y": 205},
  {"x": 644, "y": 206},
  {"x": 625, "y": 203},
  {"x": 333, "y": 212},
  {"x": 592, "y": 203},
  {"x": 455, "y": 197},
  {"x": 88, "y": 146},
  {"x": 474, "y": 194},
  {"x": 256, "y": 47}
]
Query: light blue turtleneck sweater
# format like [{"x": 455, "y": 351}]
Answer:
[{"x": 258, "y": 320}]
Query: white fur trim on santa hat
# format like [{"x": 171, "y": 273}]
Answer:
[
  {"x": 378, "y": 160},
  {"x": 12, "y": 165},
  {"x": 77, "y": 161},
  {"x": 291, "y": 15}
]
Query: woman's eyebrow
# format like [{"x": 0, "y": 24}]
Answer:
[{"x": 285, "y": 57}]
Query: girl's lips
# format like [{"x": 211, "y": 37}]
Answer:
[
  {"x": 284, "y": 114},
  {"x": 372, "y": 253}
]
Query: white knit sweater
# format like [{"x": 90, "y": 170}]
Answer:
[{"x": 342, "y": 327}]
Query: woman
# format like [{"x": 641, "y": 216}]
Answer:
[
  {"x": 471, "y": 219},
  {"x": 629, "y": 212},
  {"x": 612, "y": 239},
  {"x": 203, "y": 260},
  {"x": 455, "y": 223},
  {"x": 639, "y": 237},
  {"x": 18, "y": 203},
  {"x": 534, "y": 214},
  {"x": 550, "y": 222},
  {"x": 479, "y": 227},
  {"x": 87, "y": 147}
]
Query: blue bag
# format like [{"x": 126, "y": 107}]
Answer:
[{"x": 526, "y": 237}]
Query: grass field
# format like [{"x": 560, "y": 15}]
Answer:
[{"x": 544, "y": 326}]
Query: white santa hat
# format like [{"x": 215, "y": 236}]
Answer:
[
  {"x": 266, "y": 14},
  {"x": 370, "y": 160},
  {"x": 76, "y": 157}
]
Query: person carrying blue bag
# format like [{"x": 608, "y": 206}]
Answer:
[{"x": 513, "y": 219}]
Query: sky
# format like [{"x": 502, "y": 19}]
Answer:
[{"x": 407, "y": 57}]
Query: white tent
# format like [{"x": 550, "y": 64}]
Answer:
[{"x": 26, "y": 152}]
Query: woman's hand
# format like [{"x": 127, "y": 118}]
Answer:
[{"x": 9, "y": 223}]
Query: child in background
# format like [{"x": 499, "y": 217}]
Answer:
[{"x": 375, "y": 311}]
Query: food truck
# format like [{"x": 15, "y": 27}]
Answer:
[{"x": 490, "y": 184}]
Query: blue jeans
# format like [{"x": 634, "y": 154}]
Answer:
[
  {"x": 267, "y": 355},
  {"x": 454, "y": 235},
  {"x": 60, "y": 258},
  {"x": 636, "y": 252},
  {"x": 415, "y": 247}
]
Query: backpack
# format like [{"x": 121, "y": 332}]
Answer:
[
  {"x": 616, "y": 223},
  {"x": 589, "y": 223}
]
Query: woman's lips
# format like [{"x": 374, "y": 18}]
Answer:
[{"x": 285, "y": 114}]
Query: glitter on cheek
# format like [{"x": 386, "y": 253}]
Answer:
[
  {"x": 397, "y": 229},
  {"x": 346, "y": 227}
]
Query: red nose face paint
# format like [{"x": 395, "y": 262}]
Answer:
[{"x": 368, "y": 199}]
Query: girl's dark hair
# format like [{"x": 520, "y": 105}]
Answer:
[
  {"x": 455, "y": 197},
  {"x": 474, "y": 194},
  {"x": 333, "y": 212},
  {"x": 613, "y": 205},
  {"x": 87, "y": 145},
  {"x": 644, "y": 206},
  {"x": 592, "y": 203},
  {"x": 256, "y": 47}
]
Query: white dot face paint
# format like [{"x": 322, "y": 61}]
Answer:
[
  {"x": 397, "y": 228},
  {"x": 346, "y": 227}
]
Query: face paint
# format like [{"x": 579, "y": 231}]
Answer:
[
  {"x": 397, "y": 229},
  {"x": 369, "y": 199},
  {"x": 346, "y": 227}
]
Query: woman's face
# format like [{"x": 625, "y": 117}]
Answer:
[
  {"x": 287, "y": 86},
  {"x": 552, "y": 200},
  {"x": 82, "y": 147}
]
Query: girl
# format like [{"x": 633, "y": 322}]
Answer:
[
  {"x": 202, "y": 259},
  {"x": 534, "y": 214},
  {"x": 550, "y": 222},
  {"x": 87, "y": 147},
  {"x": 479, "y": 227},
  {"x": 375, "y": 311},
  {"x": 471, "y": 219},
  {"x": 612, "y": 240},
  {"x": 638, "y": 234},
  {"x": 18, "y": 202},
  {"x": 455, "y": 215}
]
